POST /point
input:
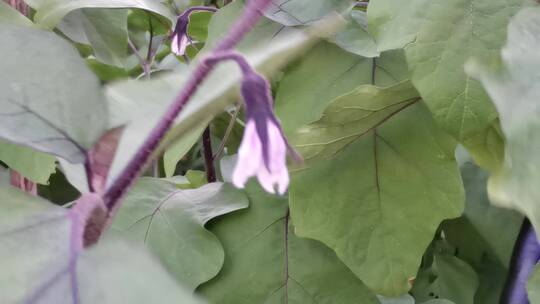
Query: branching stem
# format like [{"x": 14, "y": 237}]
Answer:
[{"x": 251, "y": 15}]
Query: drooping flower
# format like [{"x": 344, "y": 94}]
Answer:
[
  {"x": 180, "y": 37},
  {"x": 264, "y": 148}
]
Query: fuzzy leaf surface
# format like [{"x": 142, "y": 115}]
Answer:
[
  {"x": 170, "y": 221},
  {"x": 379, "y": 202},
  {"x": 39, "y": 106}
]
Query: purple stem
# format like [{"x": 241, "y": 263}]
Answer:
[
  {"x": 361, "y": 4},
  {"x": 251, "y": 15},
  {"x": 192, "y": 9},
  {"x": 524, "y": 258}
]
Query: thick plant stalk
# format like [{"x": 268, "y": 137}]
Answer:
[
  {"x": 208, "y": 156},
  {"x": 524, "y": 258},
  {"x": 252, "y": 13}
]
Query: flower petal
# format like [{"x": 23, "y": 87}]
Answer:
[
  {"x": 174, "y": 44},
  {"x": 277, "y": 149},
  {"x": 249, "y": 156}
]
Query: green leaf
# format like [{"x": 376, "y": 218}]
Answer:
[
  {"x": 180, "y": 148},
  {"x": 40, "y": 107},
  {"x": 37, "y": 263},
  {"x": 33, "y": 165},
  {"x": 483, "y": 234},
  {"x": 449, "y": 278},
  {"x": 533, "y": 287},
  {"x": 439, "y": 36},
  {"x": 355, "y": 38},
  {"x": 50, "y": 12},
  {"x": 311, "y": 84},
  {"x": 9, "y": 15},
  {"x": 512, "y": 86},
  {"x": 267, "y": 50},
  {"x": 379, "y": 202},
  {"x": 350, "y": 117},
  {"x": 481, "y": 222},
  {"x": 301, "y": 12},
  {"x": 266, "y": 263},
  {"x": 170, "y": 221},
  {"x": 103, "y": 29},
  {"x": 198, "y": 25}
]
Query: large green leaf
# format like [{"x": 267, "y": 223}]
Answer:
[
  {"x": 379, "y": 202},
  {"x": 533, "y": 287},
  {"x": 301, "y": 12},
  {"x": 266, "y": 263},
  {"x": 325, "y": 73},
  {"x": 439, "y": 36},
  {"x": 512, "y": 86},
  {"x": 448, "y": 278},
  {"x": 39, "y": 105},
  {"x": 143, "y": 102},
  {"x": 103, "y": 29},
  {"x": 9, "y": 15},
  {"x": 33, "y": 165},
  {"x": 349, "y": 117},
  {"x": 170, "y": 221},
  {"x": 40, "y": 266},
  {"x": 50, "y": 12}
]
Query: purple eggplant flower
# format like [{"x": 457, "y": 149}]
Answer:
[
  {"x": 264, "y": 148},
  {"x": 180, "y": 37}
]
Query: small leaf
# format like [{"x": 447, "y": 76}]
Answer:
[
  {"x": 265, "y": 262},
  {"x": 40, "y": 107},
  {"x": 33, "y": 165},
  {"x": 170, "y": 221},
  {"x": 448, "y": 278},
  {"x": 105, "y": 30},
  {"x": 349, "y": 117},
  {"x": 379, "y": 202},
  {"x": 302, "y": 12}
]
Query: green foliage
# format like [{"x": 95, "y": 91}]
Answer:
[
  {"x": 370, "y": 200},
  {"x": 166, "y": 218},
  {"x": 33, "y": 165},
  {"x": 267, "y": 263},
  {"x": 438, "y": 38},
  {"x": 508, "y": 81},
  {"x": 39, "y": 107},
  {"x": 41, "y": 270},
  {"x": 375, "y": 100}
]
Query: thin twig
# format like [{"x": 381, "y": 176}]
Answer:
[
  {"x": 142, "y": 61},
  {"x": 228, "y": 131}
]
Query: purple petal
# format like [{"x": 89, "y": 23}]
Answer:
[{"x": 249, "y": 156}]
